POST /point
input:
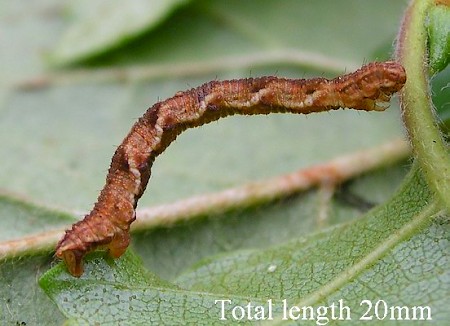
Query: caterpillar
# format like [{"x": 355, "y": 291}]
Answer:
[{"x": 107, "y": 225}]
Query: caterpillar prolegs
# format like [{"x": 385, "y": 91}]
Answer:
[{"x": 108, "y": 224}]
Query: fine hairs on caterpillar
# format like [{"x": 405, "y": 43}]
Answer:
[{"x": 108, "y": 224}]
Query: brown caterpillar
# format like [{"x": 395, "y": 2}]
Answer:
[{"x": 108, "y": 224}]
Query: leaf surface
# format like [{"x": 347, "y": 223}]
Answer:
[
  {"x": 98, "y": 26},
  {"x": 59, "y": 134},
  {"x": 397, "y": 250}
]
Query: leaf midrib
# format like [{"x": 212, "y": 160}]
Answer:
[{"x": 406, "y": 231}]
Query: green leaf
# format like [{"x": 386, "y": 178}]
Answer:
[
  {"x": 441, "y": 90},
  {"x": 59, "y": 129},
  {"x": 84, "y": 120},
  {"x": 100, "y": 25},
  {"x": 132, "y": 294},
  {"x": 21, "y": 218},
  {"x": 439, "y": 37},
  {"x": 21, "y": 301},
  {"x": 388, "y": 247}
]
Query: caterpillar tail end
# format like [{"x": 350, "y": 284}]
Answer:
[
  {"x": 73, "y": 260},
  {"x": 73, "y": 254}
]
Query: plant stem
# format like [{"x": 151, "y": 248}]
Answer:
[{"x": 428, "y": 145}]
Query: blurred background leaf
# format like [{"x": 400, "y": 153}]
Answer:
[{"x": 59, "y": 125}]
